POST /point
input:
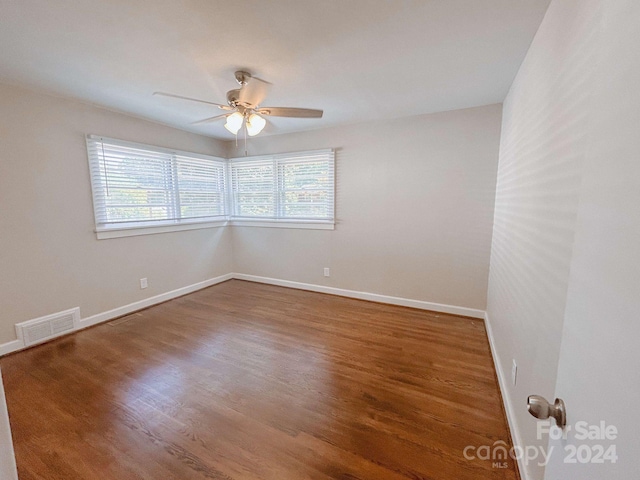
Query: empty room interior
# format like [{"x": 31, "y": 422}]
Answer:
[{"x": 325, "y": 239}]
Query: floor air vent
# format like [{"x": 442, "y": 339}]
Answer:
[{"x": 46, "y": 328}]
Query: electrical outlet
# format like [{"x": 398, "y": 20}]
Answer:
[
  {"x": 143, "y": 283},
  {"x": 326, "y": 272},
  {"x": 514, "y": 373}
]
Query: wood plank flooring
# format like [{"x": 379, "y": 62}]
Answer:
[{"x": 250, "y": 381}]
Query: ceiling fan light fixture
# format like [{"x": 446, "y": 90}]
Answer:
[
  {"x": 234, "y": 122},
  {"x": 255, "y": 124},
  {"x": 243, "y": 105}
]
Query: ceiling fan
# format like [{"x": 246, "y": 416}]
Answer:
[{"x": 243, "y": 106}]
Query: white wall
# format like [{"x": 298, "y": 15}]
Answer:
[
  {"x": 553, "y": 216},
  {"x": 50, "y": 259},
  {"x": 414, "y": 209}
]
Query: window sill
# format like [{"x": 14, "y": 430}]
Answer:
[
  {"x": 138, "y": 229},
  {"x": 300, "y": 224},
  {"x": 141, "y": 229}
]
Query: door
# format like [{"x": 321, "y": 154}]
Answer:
[
  {"x": 7, "y": 460},
  {"x": 599, "y": 366}
]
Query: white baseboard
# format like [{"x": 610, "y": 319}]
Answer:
[
  {"x": 148, "y": 302},
  {"x": 516, "y": 437},
  {"x": 11, "y": 347},
  {"x": 16, "y": 345},
  {"x": 373, "y": 297}
]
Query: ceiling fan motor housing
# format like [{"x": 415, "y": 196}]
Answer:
[
  {"x": 242, "y": 77},
  {"x": 233, "y": 96}
]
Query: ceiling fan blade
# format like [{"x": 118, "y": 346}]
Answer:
[
  {"x": 253, "y": 92},
  {"x": 290, "y": 112},
  {"x": 210, "y": 119},
  {"x": 219, "y": 105}
]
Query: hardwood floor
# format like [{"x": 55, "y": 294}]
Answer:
[{"x": 250, "y": 381}]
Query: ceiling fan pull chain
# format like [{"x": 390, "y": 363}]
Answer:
[{"x": 246, "y": 154}]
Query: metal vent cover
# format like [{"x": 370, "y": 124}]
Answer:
[{"x": 45, "y": 328}]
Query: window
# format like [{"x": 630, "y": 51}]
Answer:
[
  {"x": 140, "y": 189},
  {"x": 138, "y": 186},
  {"x": 292, "y": 187}
]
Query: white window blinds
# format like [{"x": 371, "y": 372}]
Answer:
[
  {"x": 291, "y": 186},
  {"x": 137, "y": 184},
  {"x": 254, "y": 187}
]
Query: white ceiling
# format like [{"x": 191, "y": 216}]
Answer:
[{"x": 356, "y": 59}]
